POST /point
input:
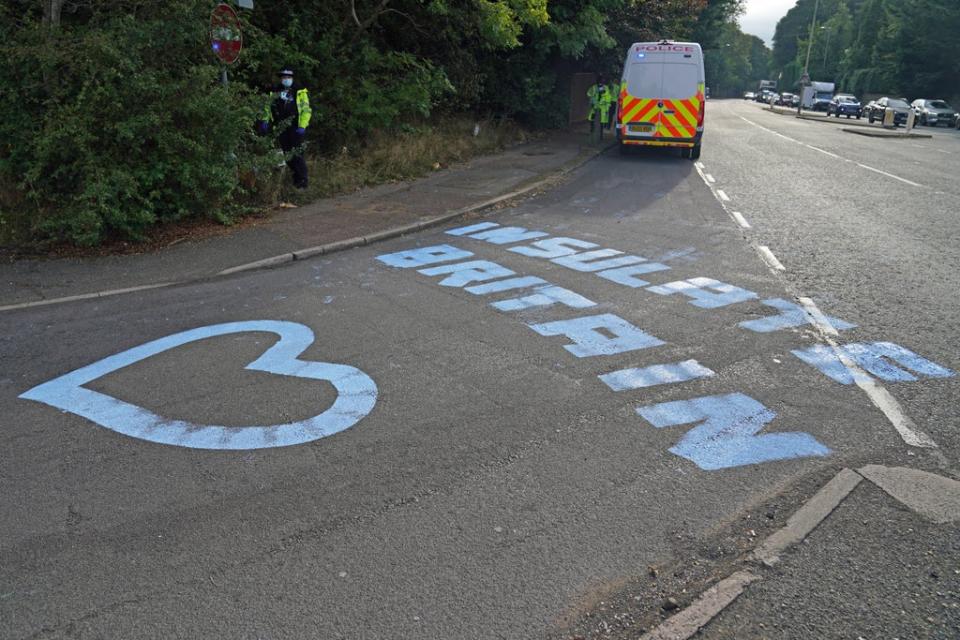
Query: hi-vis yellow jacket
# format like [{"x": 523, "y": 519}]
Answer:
[{"x": 282, "y": 108}]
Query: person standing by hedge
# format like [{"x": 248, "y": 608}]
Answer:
[
  {"x": 596, "y": 94},
  {"x": 289, "y": 112}
]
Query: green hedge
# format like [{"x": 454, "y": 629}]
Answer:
[{"x": 120, "y": 123}]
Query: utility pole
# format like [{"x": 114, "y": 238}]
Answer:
[
  {"x": 805, "y": 78},
  {"x": 826, "y": 49}
]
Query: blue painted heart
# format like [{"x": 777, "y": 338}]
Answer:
[{"x": 356, "y": 393}]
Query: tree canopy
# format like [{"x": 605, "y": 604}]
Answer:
[
  {"x": 899, "y": 47},
  {"x": 112, "y": 118}
]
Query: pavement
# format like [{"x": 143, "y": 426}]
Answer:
[
  {"x": 571, "y": 415},
  {"x": 344, "y": 220}
]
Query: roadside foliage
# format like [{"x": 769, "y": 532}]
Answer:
[
  {"x": 904, "y": 48},
  {"x": 113, "y": 119}
]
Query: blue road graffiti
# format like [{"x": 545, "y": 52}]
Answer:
[
  {"x": 658, "y": 374},
  {"x": 554, "y": 248},
  {"x": 463, "y": 273},
  {"x": 588, "y": 260},
  {"x": 610, "y": 264},
  {"x": 473, "y": 228},
  {"x": 728, "y": 431},
  {"x": 510, "y": 284},
  {"x": 356, "y": 393},
  {"x": 794, "y": 315},
  {"x": 624, "y": 275},
  {"x": 705, "y": 293},
  {"x": 507, "y": 235},
  {"x": 876, "y": 358},
  {"x": 424, "y": 256},
  {"x": 544, "y": 297},
  {"x": 727, "y": 434},
  {"x": 588, "y": 341}
]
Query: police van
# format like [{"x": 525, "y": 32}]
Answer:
[{"x": 661, "y": 102}]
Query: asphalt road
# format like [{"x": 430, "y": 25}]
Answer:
[{"x": 497, "y": 487}]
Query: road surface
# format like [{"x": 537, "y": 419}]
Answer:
[{"x": 485, "y": 459}]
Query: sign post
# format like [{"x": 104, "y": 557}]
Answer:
[{"x": 226, "y": 39}]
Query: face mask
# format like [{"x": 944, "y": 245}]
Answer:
[{"x": 287, "y": 82}]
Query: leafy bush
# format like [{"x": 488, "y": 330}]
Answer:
[{"x": 120, "y": 123}]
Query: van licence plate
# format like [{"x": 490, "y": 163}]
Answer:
[{"x": 640, "y": 128}]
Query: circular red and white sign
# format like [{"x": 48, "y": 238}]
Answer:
[{"x": 225, "y": 37}]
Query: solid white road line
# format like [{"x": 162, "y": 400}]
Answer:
[
  {"x": 878, "y": 395},
  {"x": 740, "y": 219},
  {"x": 831, "y": 154},
  {"x": 723, "y": 195},
  {"x": 823, "y": 151},
  {"x": 709, "y": 178},
  {"x": 770, "y": 259},
  {"x": 889, "y": 175}
]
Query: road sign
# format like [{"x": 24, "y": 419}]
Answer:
[
  {"x": 225, "y": 37},
  {"x": 805, "y": 79}
]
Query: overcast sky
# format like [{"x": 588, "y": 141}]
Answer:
[{"x": 761, "y": 16}]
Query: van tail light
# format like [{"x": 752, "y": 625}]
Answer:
[{"x": 703, "y": 109}]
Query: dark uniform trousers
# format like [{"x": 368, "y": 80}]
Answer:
[{"x": 290, "y": 140}]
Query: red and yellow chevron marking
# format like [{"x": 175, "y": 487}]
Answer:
[{"x": 682, "y": 123}]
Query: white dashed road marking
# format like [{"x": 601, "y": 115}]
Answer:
[
  {"x": 770, "y": 259},
  {"x": 833, "y": 155},
  {"x": 878, "y": 395}
]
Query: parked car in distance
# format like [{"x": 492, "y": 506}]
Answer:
[
  {"x": 876, "y": 109},
  {"x": 956, "y": 121},
  {"x": 749, "y": 95},
  {"x": 844, "y": 104},
  {"x": 788, "y": 100},
  {"x": 932, "y": 112},
  {"x": 764, "y": 96}
]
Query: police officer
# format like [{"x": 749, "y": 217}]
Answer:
[
  {"x": 597, "y": 94},
  {"x": 289, "y": 112},
  {"x": 613, "y": 93}
]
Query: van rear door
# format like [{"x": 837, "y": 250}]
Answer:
[
  {"x": 681, "y": 88},
  {"x": 662, "y": 95},
  {"x": 644, "y": 84}
]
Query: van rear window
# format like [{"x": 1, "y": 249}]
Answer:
[
  {"x": 643, "y": 80},
  {"x": 680, "y": 81}
]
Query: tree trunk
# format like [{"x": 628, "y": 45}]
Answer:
[{"x": 51, "y": 12}]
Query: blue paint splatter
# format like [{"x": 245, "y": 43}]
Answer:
[
  {"x": 627, "y": 379},
  {"x": 877, "y": 358},
  {"x": 727, "y": 436},
  {"x": 356, "y": 393},
  {"x": 545, "y": 297},
  {"x": 464, "y": 273},
  {"x": 794, "y": 315},
  {"x": 588, "y": 341},
  {"x": 705, "y": 293},
  {"x": 424, "y": 256}
]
